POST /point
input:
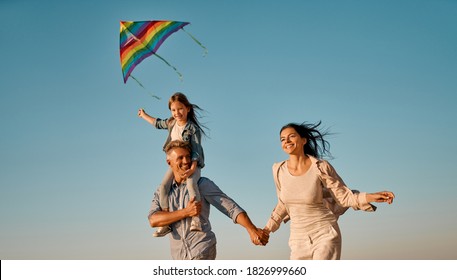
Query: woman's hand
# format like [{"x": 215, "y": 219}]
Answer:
[
  {"x": 384, "y": 196},
  {"x": 259, "y": 237}
]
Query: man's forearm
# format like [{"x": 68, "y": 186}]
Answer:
[
  {"x": 162, "y": 218},
  {"x": 258, "y": 236},
  {"x": 243, "y": 220}
]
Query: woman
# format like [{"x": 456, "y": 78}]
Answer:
[{"x": 307, "y": 188}]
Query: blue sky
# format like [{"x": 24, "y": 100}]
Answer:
[{"x": 78, "y": 167}]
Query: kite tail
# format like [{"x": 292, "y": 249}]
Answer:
[
  {"x": 198, "y": 42},
  {"x": 176, "y": 70},
  {"x": 141, "y": 85}
]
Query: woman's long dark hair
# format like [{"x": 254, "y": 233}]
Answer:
[
  {"x": 194, "y": 112},
  {"x": 316, "y": 145}
]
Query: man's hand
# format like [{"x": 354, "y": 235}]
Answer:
[
  {"x": 165, "y": 218},
  {"x": 193, "y": 208},
  {"x": 259, "y": 237}
]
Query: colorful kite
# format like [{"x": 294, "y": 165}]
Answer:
[{"x": 141, "y": 39}]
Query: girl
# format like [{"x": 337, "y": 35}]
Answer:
[
  {"x": 182, "y": 125},
  {"x": 307, "y": 188}
]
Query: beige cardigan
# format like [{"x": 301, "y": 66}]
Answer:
[{"x": 336, "y": 195}]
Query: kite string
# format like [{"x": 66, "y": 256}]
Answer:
[
  {"x": 163, "y": 59},
  {"x": 196, "y": 41},
  {"x": 141, "y": 85}
]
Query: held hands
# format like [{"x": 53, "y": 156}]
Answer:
[{"x": 259, "y": 237}]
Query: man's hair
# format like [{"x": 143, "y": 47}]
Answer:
[{"x": 177, "y": 144}]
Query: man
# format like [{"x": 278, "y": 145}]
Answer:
[{"x": 192, "y": 245}]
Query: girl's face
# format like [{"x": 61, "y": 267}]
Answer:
[
  {"x": 291, "y": 142},
  {"x": 179, "y": 111}
]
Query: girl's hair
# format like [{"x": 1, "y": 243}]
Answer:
[
  {"x": 316, "y": 145},
  {"x": 194, "y": 112}
]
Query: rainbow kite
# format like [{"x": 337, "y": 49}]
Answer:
[{"x": 141, "y": 39}]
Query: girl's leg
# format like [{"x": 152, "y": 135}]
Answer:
[
  {"x": 164, "y": 189},
  {"x": 192, "y": 184},
  {"x": 192, "y": 188}
]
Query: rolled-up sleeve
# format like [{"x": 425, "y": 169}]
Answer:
[
  {"x": 161, "y": 123},
  {"x": 278, "y": 215},
  {"x": 216, "y": 197},
  {"x": 197, "y": 149},
  {"x": 192, "y": 134},
  {"x": 155, "y": 206}
]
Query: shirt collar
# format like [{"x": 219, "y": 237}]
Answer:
[{"x": 176, "y": 185}]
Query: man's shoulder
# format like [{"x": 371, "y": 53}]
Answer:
[
  {"x": 204, "y": 180},
  {"x": 206, "y": 184}
]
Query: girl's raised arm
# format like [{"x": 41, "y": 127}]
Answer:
[{"x": 142, "y": 114}]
